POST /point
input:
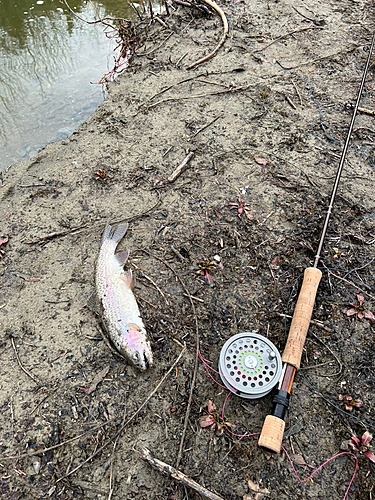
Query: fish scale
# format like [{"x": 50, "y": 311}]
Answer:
[{"x": 118, "y": 307}]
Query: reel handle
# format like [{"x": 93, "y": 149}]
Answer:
[
  {"x": 273, "y": 427},
  {"x": 301, "y": 317}
]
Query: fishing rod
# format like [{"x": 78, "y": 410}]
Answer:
[{"x": 273, "y": 427}]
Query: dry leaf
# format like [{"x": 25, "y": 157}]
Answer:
[
  {"x": 299, "y": 460},
  {"x": 256, "y": 492},
  {"x": 99, "y": 377}
]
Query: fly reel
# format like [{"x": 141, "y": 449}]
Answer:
[{"x": 250, "y": 365}]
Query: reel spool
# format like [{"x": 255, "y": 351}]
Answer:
[{"x": 250, "y": 365}]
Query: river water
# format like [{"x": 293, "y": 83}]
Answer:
[{"x": 48, "y": 59}]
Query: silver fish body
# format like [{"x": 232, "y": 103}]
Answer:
[{"x": 118, "y": 307}]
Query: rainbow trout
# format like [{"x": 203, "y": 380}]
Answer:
[{"x": 118, "y": 307}]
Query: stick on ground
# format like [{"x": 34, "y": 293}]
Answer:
[
  {"x": 180, "y": 168},
  {"x": 178, "y": 475}
]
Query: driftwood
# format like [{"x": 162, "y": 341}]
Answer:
[{"x": 178, "y": 475}]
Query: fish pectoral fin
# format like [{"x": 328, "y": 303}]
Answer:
[
  {"x": 93, "y": 303},
  {"x": 127, "y": 278},
  {"x": 122, "y": 257},
  {"x": 133, "y": 326}
]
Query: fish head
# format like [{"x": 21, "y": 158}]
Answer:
[{"x": 138, "y": 350}]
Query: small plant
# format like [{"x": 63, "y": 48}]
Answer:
[
  {"x": 214, "y": 420},
  {"x": 336, "y": 253},
  {"x": 241, "y": 207},
  {"x": 2, "y": 241},
  {"x": 205, "y": 266},
  {"x": 100, "y": 174},
  {"x": 363, "y": 445},
  {"x": 359, "y": 310},
  {"x": 350, "y": 403}
]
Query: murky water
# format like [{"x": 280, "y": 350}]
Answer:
[{"x": 48, "y": 58}]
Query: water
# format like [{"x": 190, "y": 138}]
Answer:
[{"x": 48, "y": 58}]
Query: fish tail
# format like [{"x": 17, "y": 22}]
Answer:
[{"x": 114, "y": 235}]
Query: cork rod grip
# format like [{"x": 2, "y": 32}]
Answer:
[
  {"x": 272, "y": 434},
  {"x": 301, "y": 317}
]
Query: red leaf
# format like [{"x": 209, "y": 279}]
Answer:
[
  {"x": 211, "y": 406},
  {"x": 350, "y": 312},
  {"x": 370, "y": 316},
  {"x": 370, "y": 455},
  {"x": 4, "y": 240},
  {"x": 355, "y": 442},
  {"x": 366, "y": 438},
  {"x": 207, "y": 421},
  {"x": 261, "y": 161}
]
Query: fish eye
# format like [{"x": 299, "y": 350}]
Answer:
[{"x": 136, "y": 356}]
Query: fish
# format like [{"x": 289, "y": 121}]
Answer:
[{"x": 118, "y": 308}]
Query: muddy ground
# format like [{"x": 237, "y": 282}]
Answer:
[{"x": 255, "y": 133}]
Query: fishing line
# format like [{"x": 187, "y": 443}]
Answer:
[
  {"x": 209, "y": 368},
  {"x": 278, "y": 66},
  {"x": 301, "y": 370},
  {"x": 331, "y": 138}
]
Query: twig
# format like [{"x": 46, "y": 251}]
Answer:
[
  {"x": 223, "y": 38},
  {"x": 290, "y": 102},
  {"x": 193, "y": 380},
  {"x": 93, "y": 226},
  {"x": 111, "y": 482},
  {"x": 170, "y": 87},
  {"x": 57, "y": 233},
  {"x": 333, "y": 354},
  {"x": 30, "y": 185},
  {"x": 308, "y": 18},
  {"x": 21, "y": 366},
  {"x": 232, "y": 89},
  {"x": 350, "y": 283},
  {"x": 178, "y": 475},
  {"x": 205, "y": 126},
  {"x": 101, "y": 20},
  {"x": 99, "y": 450},
  {"x": 160, "y": 21},
  {"x": 367, "y": 111},
  {"x": 296, "y": 89},
  {"x": 180, "y": 59},
  {"x": 313, "y": 322},
  {"x": 194, "y": 298},
  {"x": 156, "y": 48},
  {"x": 291, "y": 33},
  {"x": 180, "y": 168},
  {"x": 151, "y": 281},
  {"x": 167, "y": 151},
  {"x": 135, "y": 9},
  {"x": 38, "y": 405},
  {"x": 147, "y": 302}
]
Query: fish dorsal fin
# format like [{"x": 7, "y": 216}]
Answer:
[
  {"x": 122, "y": 257},
  {"x": 127, "y": 278}
]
